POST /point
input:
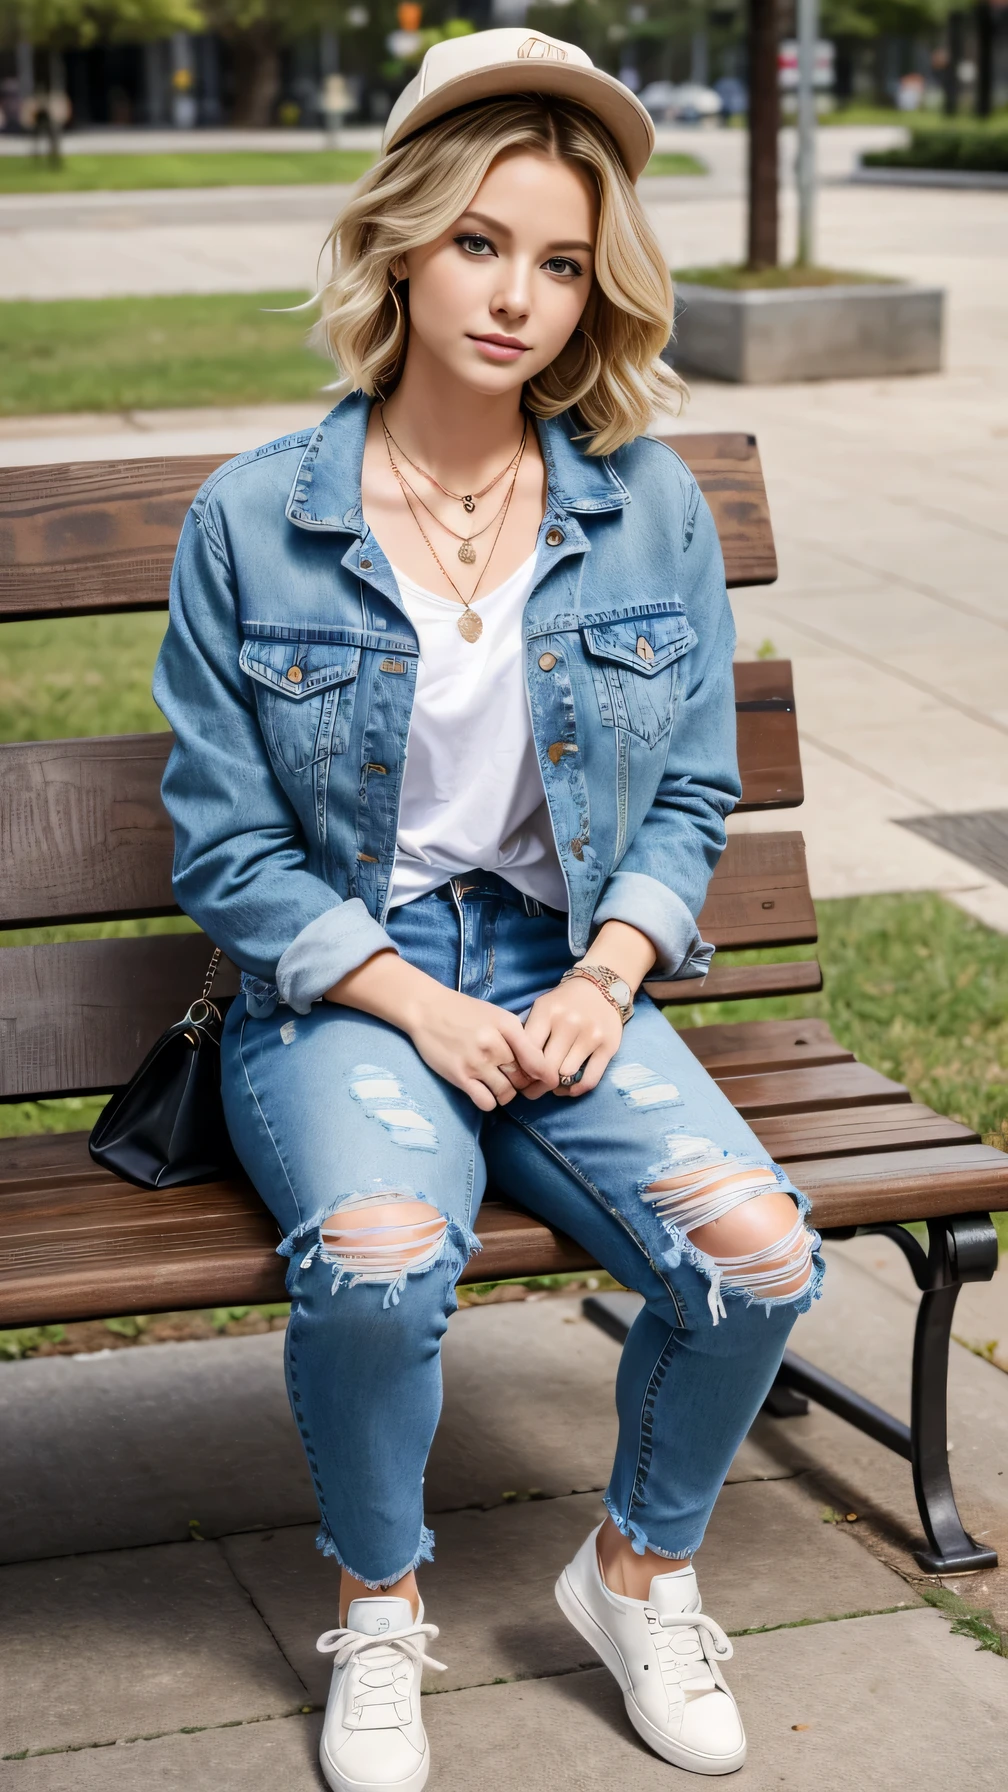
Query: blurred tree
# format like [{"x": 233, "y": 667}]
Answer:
[
  {"x": 54, "y": 26},
  {"x": 257, "y": 31}
]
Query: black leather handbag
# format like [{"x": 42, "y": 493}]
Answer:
[{"x": 166, "y": 1127}]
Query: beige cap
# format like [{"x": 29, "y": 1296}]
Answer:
[{"x": 486, "y": 64}]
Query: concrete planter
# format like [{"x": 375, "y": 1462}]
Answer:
[{"x": 807, "y": 333}]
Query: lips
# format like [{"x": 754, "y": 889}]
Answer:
[
  {"x": 500, "y": 348},
  {"x": 502, "y": 341}
]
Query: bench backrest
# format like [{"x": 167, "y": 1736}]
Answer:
[{"x": 84, "y": 835}]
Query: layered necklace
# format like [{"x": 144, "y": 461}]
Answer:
[{"x": 470, "y": 625}]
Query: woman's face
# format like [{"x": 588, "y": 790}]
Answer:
[{"x": 494, "y": 299}]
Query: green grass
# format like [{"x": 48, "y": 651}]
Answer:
[
  {"x": 225, "y": 168},
  {"x": 79, "y": 675},
  {"x": 147, "y": 353},
  {"x": 197, "y": 168},
  {"x": 667, "y": 163},
  {"x": 741, "y": 279},
  {"x": 914, "y": 987}
]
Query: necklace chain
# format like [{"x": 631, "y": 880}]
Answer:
[
  {"x": 468, "y": 499},
  {"x": 470, "y": 625},
  {"x": 465, "y": 553}
]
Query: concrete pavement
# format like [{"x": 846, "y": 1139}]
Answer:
[{"x": 162, "y": 1591}]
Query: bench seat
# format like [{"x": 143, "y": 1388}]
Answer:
[{"x": 77, "y": 1243}]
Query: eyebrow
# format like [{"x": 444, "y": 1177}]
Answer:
[{"x": 495, "y": 224}]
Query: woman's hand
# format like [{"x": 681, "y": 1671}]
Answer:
[
  {"x": 573, "y": 1024},
  {"x": 483, "y": 1050},
  {"x": 576, "y": 1024}
]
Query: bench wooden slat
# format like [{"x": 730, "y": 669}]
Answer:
[
  {"x": 79, "y": 1018},
  {"x": 903, "y": 1185},
  {"x": 759, "y": 894},
  {"x": 816, "y": 1090},
  {"x": 767, "y": 733},
  {"x": 85, "y": 836},
  {"x": 734, "y": 982},
  {"x": 726, "y": 466},
  {"x": 99, "y": 536},
  {"x": 850, "y": 1132},
  {"x": 83, "y": 831},
  {"x": 737, "y": 1048}
]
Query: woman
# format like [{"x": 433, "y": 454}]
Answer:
[{"x": 450, "y": 678}]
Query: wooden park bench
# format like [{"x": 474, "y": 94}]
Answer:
[{"x": 84, "y": 837}]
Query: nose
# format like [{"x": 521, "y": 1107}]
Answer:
[{"x": 513, "y": 298}]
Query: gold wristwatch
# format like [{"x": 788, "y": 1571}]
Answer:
[{"x": 616, "y": 989}]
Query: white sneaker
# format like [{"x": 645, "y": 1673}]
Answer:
[
  {"x": 373, "y": 1735},
  {"x": 664, "y": 1653}
]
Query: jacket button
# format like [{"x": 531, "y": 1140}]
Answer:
[
  {"x": 295, "y": 674},
  {"x": 554, "y": 538},
  {"x": 547, "y": 661},
  {"x": 556, "y": 752},
  {"x": 365, "y": 565}
]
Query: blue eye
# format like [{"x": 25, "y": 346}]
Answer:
[
  {"x": 562, "y": 264},
  {"x": 474, "y": 244}
]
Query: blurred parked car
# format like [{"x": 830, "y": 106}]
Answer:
[
  {"x": 734, "y": 96},
  {"x": 684, "y": 103}
]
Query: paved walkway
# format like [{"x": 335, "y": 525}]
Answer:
[
  {"x": 234, "y": 239},
  {"x": 887, "y": 496},
  {"x": 163, "y": 1594}
]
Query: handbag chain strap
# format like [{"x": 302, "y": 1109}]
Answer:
[
  {"x": 210, "y": 974},
  {"x": 203, "y": 1002}
]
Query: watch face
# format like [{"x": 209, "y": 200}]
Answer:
[{"x": 620, "y": 992}]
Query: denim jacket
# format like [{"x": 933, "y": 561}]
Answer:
[{"x": 288, "y": 672}]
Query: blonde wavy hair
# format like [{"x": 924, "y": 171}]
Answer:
[{"x": 610, "y": 370}]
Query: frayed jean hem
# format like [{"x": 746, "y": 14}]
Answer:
[
  {"x": 326, "y": 1542},
  {"x": 638, "y": 1539}
]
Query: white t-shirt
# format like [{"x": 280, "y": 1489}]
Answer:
[{"x": 472, "y": 794}]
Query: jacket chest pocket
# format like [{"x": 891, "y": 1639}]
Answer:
[
  {"x": 304, "y": 697},
  {"x": 634, "y": 662}
]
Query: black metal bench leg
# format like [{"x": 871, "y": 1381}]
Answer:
[
  {"x": 963, "y": 1248},
  {"x": 966, "y": 1251}
]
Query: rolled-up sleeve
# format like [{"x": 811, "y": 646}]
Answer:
[
  {"x": 241, "y": 861},
  {"x": 661, "y": 883}
]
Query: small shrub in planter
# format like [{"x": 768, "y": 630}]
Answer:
[{"x": 967, "y": 148}]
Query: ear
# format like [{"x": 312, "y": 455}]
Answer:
[{"x": 397, "y": 268}]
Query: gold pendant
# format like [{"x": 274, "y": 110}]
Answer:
[
  {"x": 467, "y": 554},
  {"x": 468, "y": 504},
  {"x": 470, "y": 627}
]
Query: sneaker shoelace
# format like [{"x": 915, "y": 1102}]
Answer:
[
  {"x": 379, "y": 1696},
  {"x": 688, "y": 1645}
]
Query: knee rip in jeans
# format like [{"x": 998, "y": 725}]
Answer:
[
  {"x": 695, "y": 1190},
  {"x": 383, "y": 1236}
]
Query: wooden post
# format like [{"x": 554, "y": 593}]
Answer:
[{"x": 764, "y": 119}]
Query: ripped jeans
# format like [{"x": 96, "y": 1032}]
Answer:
[{"x": 336, "y": 1118}]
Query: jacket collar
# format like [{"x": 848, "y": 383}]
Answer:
[{"x": 326, "y": 493}]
